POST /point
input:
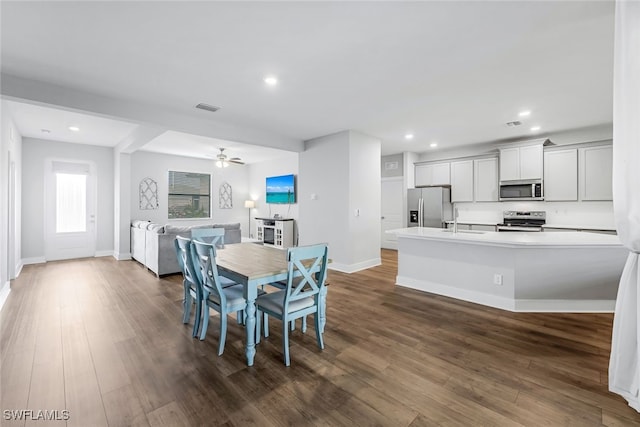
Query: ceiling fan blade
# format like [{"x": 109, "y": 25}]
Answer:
[{"x": 235, "y": 160}]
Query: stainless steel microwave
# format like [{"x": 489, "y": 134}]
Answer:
[{"x": 521, "y": 190}]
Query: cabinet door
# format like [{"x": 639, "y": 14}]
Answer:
[
  {"x": 509, "y": 164},
  {"x": 423, "y": 175},
  {"x": 462, "y": 181},
  {"x": 486, "y": 180},
  {"x": 432, "y": 174},
  {"x": 440, "y": 174},
  {"x": 561, "y": 175},
  {"x": 597, "y": 168},
  {"x": 531, "y": 162}
]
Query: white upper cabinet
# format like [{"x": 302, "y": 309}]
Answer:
[
  {"x": 432, "y": 174},
  {"x": 462, "y": 181},
  {"x": 561, "y": 175},
  {"x": 486, "y": 180},
  {"x": 518, "y": 163},
  {"x": 596, "y": 165}
]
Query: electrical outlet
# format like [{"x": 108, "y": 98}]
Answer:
[{"x": 497, "y": 279}]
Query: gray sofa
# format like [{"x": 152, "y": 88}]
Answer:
[{"x": 152, "y": 244}]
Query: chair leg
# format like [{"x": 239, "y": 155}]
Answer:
[
  {"x": 304, "y": 325},
  {"x": 186, "y": 304},
  {"x": 285, "y": 342},
  {"x": 223, "y": 333},
  {"x": 318, "y": 332},
  {"x": 293, "y": 325},
  {"x": 258, "y": 332},
  {"x": 205, "y": 321},
  {"x": 197, "y": 316},
  {"x": 266, "y": 325},
  {"x": 240, "y": 317}
]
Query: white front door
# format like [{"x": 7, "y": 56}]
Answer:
[
  {"x": 392, "y": 196},
  {"x": 70, "y": 214}
]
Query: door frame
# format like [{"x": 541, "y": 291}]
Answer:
[
  {"x": 400, "y": 180},
  {"x": 49, "y": 203}
]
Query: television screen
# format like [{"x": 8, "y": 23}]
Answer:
[{"x": 281, "y": 189}]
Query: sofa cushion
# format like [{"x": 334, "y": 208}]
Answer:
[
  {"x": 157, "y": 228},
  {"x": 138, "y": 223}
]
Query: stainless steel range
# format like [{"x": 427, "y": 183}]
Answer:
[{"x": 522, "y": 221}]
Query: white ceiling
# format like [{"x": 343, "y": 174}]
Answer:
[{"x": 448, "y": 72}]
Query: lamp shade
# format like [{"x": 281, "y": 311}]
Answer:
[{"x": 249, "y": 204}]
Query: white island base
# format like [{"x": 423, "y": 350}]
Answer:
[{"x": 530, "y": 272}]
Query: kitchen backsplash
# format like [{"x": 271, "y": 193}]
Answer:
[{"x": 574, "y": 214}]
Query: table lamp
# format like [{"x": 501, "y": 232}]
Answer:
[{"x": 249, "y": 204}]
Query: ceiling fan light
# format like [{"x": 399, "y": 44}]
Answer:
[{"x": 222, "y": 163}]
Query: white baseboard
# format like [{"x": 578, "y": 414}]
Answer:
[
  {"x": 103, "y": 253},
  {"x": 4, "y": 293},
  {"x": 18, "y": 269},
  {"x": 515, "y": 305},
  {"x": 453, "y": 292},
  {"x": 121, "y": 257},
  {"x": 352, "y": 268},
  {"x": 34, "y": 260},
  {"x": 565, "y": 306}
]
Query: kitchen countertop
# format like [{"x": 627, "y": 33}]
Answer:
[
  {"x": 474, "y": 222},
  {"x": 579, "y": 227},
  {"x": 511, "y": 239}
]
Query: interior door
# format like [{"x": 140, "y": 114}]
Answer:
[
  {"x": 391, "y": 211},
  {"x": 70, "y": 214}
]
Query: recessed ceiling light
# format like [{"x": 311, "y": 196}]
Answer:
[
  {"x": 433, "y": 145},
  {"x": 408, "y": 136},
  {"x": 271, "y": 80},
  {"x": 535, "y": 128},
  {"x": 524, "y": 113},
  {"x": 74, "y": 128}
]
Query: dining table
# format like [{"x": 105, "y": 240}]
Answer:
[{"x": 253, "y": 265}]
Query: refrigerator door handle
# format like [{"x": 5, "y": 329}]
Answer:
[{"x": 420, "y": 212}]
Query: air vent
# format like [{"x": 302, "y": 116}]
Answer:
[
  {"x": 514, "y": 123},
  {"x": 207, "y": 107}
]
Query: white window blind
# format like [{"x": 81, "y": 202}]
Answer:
[{"x": 71, "y": 202}]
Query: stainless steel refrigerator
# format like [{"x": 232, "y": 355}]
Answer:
[{"x": 429, "y": 206}]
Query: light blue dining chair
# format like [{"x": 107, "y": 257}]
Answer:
[
  {"x": 192, "y": 289},
  {"x": 215, "y": 236},
  {"x": 224, "y": 300},
  {"x": 306, "y": 276}
]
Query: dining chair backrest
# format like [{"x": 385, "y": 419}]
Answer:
[
  {"x": 204, "y": 258},
  {"x": 307, "y": 272},
  {"x": 215, "y": 236},
  {"x": 183, "y": 251}
]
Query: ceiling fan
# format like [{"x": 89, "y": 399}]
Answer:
[{"x": 222, "y": 160}]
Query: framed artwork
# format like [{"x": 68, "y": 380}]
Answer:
[
  {"x": 225, "y": 200},
  {"x": 148, "y": 193}
]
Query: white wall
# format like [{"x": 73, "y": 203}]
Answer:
[
  {"x": 121, "y": 205},
  {"x": 364, "y": 198},
  {"x": 258, "y": 172},
  {"x": 10, "y": 201},
  {"x": 340, "y": 173},
  {"x": 157, "y": 167},
  {"x": 35, "y": 152}
]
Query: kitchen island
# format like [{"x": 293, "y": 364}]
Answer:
[{"x": 516, "y": 271}]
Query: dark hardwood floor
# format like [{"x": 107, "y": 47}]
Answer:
[{"x": 104, "y": 340}]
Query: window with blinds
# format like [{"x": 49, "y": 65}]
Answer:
[{"x": 189, "y": 195}]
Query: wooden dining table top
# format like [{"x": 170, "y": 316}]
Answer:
[{"x": 252, "y": 261}]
